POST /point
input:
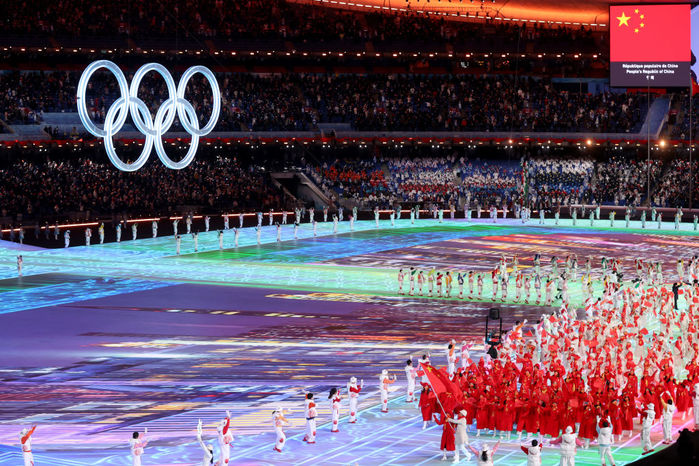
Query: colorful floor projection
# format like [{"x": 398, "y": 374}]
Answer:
[{"x": 98, "y": 342}]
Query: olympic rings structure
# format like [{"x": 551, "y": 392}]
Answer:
[{"x": 153, "y": 130}]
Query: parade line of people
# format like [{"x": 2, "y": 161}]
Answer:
[{"x": 632, "y": 359}]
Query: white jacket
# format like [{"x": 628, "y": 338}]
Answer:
[
  {"x": 460, "y": 436},
  {"x": 568, "y": 444},
  {"x": 604, "y": 437},
  {"x": 533, "y": 455}
]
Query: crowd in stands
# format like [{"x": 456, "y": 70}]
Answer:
[
  {"x": 425, "y": 180},
  {"x": 673, "y": 187},
  {"x": 226, "y": 20},
  {"x": 542, "y": 180},
  {"x": 559, "y": 181},
  {"x": 362, "y": 181},
  {"x": 83, "y": 188},
  {"x": 491, "y": 182},
  {"x": 366, "y": 102},
  {"x": 623, "y": 181},
  {"x": 85, "y": 185},
  {"x": 25, "y": 96},
  {"x": 680, "y": 118}
]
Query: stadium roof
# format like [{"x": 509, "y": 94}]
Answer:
[{"x": 572, "y": 12}]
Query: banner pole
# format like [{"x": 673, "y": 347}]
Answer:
[
  {"x": 648, "y": 163},
  {"x": 446, "y": 418},
  {"x": 691, "y": 148}
]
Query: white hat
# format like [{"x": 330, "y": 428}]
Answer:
[
  {"x": 353, "y": 380},
  {"x": 569, "y": 430}
]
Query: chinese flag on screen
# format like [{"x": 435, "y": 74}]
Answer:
[{"x": 649, "y": 33}]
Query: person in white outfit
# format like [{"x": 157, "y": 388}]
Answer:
[
  {"x": 225, "y": 438},
  {"x": 311, "y": 414},
  {"x": 279, "y": 422},
  {"x": 353, "y": 390},
  {"x": 335, "y": 403},
  {"x": 236, "y": 235},
  {"x": 669, "y": 409},
  {"x": 451, "y": 358},
  {"x": 208, "y": 459},
  {"x": 410, "y": 375},
  {"x": 220, "y": 239},
  {"x": 134, "y": 230},
  {"x": 178, "y": 243},
  {"x": 461, "y": 435},
  {"x": 66, "y": 238},
  {"x": 484, "y": 457},
  {"x": 100, "y": 231},
  {"x": 533, "y": 453},
  {"x": 154, "y": 228},
  {"x": 384, "y": 382},
  {"x": 207, "y": 221},
  {"x": 138, "y": 443},
  {"x": 20, "y": 266},
  {"x": 88, "y": 235},
  {"x": 26, "y": 442},
  {"x": 647, "y": 418},
  {"x": 226, "y": 222},
  {"x": 695, "y": 400},
  {"x": 605, "y": 439},
  {"x": 569, "y": 442}
]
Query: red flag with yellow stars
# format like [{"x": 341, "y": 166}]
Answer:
[{"x": 649, "y": 33}]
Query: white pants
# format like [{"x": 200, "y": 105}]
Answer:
[
  {"x": 606, "y": 452},
  {"x": 225, "y": 453},
  {"x": 667, "y": 428},
  {"x": 696, "y": 414},
  {"x": 281, "y": 439},
  {"x": 567, "y": 460},
  {"x": 136, "y": 461},
  {"x": 384, "y": 400},
  {"x": 29, "y": 458},
  {"x": 353, "y": 409},
  {"x": 311, "y": 430},
  {"x": 411, "y": 390},
  {"x": 336, "y": 420},
  {"x": 645, "y": 439}
]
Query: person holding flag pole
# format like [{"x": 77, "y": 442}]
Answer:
[{"x": 450, "y": 393}]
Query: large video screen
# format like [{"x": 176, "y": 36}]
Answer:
[{"x": 649, "y": 45}]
